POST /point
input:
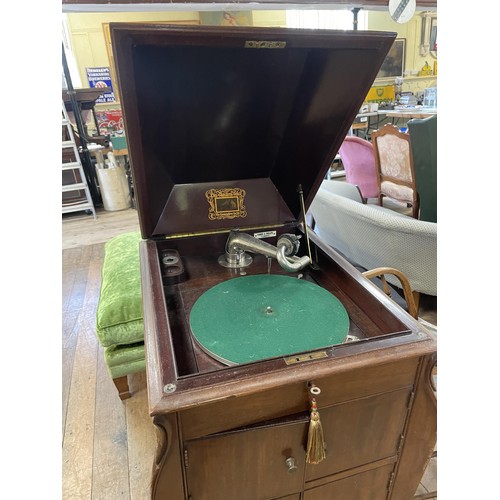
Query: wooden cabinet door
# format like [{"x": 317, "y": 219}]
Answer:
[
  {"x": 370, "y": 485},
  {"x": 361, "y": 431},
  {"x": 249, "y": 464}
]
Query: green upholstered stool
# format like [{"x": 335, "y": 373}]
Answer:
[{"x": 119, "y": 323}]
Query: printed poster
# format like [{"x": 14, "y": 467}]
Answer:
[{"x": 101, "y": 78}]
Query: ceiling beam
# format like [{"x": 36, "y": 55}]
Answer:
[{"x": 217, "y": 5}]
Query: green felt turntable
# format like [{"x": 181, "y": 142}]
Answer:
[{"x": 257, "y": 317}]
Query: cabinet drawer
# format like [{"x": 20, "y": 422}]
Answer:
[
  {"x": 361, "y": 432},
  {"x": 366, "y": 381},
  {"x": 250, "y": 464},
  {"x": 294, "y": 398},
  {"x": 370, "y": 485}
]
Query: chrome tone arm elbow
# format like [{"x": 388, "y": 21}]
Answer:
[
  {"x": 239, "y": 243},
  {"x": 292, "y": 263}
]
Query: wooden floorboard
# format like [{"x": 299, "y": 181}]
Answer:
[
  {"x": 110, "y": 469},
  {"x": 108, "y": 444},
  {"x": 86, "y": 230},
  {"x": 141, "y": 439},
  {"x": 78, "y": 435}
]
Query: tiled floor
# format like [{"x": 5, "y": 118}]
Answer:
[{"x": 429, "y": 481}]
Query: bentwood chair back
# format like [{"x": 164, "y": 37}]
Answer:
[
  {"x": 358, "y": 160},
  {"x": 394, "y": 162}
]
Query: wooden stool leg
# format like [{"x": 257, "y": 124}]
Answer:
[{"x": 121, "y": 384}]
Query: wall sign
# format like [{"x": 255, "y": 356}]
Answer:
[{"x": 101, "y": 78}]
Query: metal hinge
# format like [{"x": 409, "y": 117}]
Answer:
[
  {"x": 400, "y": 444},
  {"x": 391, "y": 481},
  {"x": 186, "y": 459},
  {"x": 410, "y": 401}
]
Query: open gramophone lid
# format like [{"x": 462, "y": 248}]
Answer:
[
  {"x": 252, "y": 318},
  {"x": 257, "y": 110}
]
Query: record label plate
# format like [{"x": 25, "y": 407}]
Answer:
[{"x": 267, "y": 315}]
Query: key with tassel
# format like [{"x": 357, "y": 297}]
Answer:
[{"x": 315, "y": 439}]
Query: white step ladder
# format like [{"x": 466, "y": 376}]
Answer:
[{"x": 80, "y": 202}]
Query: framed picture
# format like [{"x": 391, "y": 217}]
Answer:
[
  {"x": 226, "y": 18},
  {"x": 433, "y": 40},
  {"x": 394, "y": 63}
]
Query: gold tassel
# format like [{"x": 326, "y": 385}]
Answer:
[{"x": 315, "y": 441}]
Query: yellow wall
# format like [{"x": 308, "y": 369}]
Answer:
[
  {"x": 87, "y": 35},
  {"x": 414, "y": 62},
  {"x": 275, "y": 18}
]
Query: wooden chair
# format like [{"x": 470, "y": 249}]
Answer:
[{"x": 394, "y": 160}]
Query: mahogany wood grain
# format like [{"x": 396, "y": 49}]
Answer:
[
  {"x": 231, "y": 466},
  {"x": 370, "y": 485},
  {"x": 168, "y": 475},
  {"x": 293, "y": 398},
  {"x": 121, "y": 384},
  {"x": 360, "y": 469},
  {"x": 420, "y": 434},
  {"x": 361, "y": 431}
]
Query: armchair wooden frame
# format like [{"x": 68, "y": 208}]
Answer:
[
  {"x": 395, "y": 171},
  {"x": 411, "y": 298}
]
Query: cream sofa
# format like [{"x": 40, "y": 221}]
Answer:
[{"x": 371, "y": 236}]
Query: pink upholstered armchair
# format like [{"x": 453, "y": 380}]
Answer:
[{"x": 359, "y": 164}]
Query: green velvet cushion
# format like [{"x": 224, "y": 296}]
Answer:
[
  {"x": 123, "y": 360},
  {"x": 119, "y": 312}
]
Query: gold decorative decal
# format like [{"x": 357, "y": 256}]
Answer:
[
  {"x": 264, "y": 44},
  {"x": 226, "y": 203}
]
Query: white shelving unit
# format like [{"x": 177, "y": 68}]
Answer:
[{"x": 79, "y": 185}]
